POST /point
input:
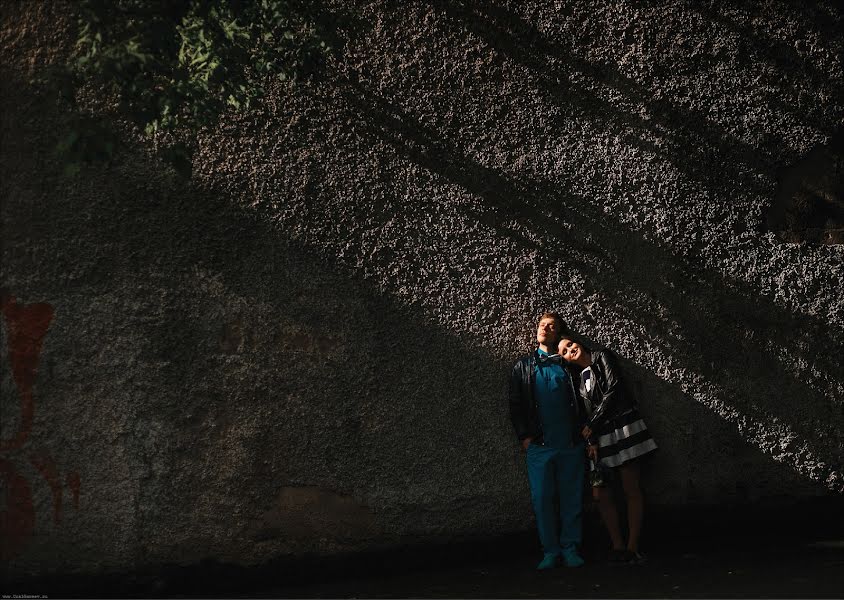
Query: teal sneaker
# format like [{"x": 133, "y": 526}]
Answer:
[
  {"x": 549, "y": 561},
  {"x": 572, "y": 558}
]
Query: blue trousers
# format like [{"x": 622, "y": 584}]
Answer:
[{"x": 557, "y": 472}]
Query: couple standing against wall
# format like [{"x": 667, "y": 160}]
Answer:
[{"x": 567, "y": 402}]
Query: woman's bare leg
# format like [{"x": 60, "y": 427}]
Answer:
[
  {"x": 609, "y": 514},
  {"x": 635, "y": 502}
]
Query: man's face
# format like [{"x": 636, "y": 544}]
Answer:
[{"x": 546, "y": 332}]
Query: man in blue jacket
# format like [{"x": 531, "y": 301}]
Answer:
[{"x": 548, "y": 418}]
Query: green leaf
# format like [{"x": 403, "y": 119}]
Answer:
[
  {"x": 67, "y": 142},
  {"x": 71, "y": 169}
]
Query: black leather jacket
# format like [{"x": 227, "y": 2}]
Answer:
[
  {"x": 609, "y": 398},
  {"x": 524, "y": 410}
]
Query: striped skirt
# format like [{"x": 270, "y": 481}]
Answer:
[{"x": 624, "y": 438}]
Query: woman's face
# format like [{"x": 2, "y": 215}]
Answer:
[{"x": 569, "y": 350}]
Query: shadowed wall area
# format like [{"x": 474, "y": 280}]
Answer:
[{"x": 304, "y": 349}]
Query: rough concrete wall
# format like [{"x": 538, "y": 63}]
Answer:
[{"x": 305, "y": 349}]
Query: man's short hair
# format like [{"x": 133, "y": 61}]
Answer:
[{"x": 561, "y": 325}]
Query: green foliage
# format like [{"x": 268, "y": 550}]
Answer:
[
  {"x": 177, "y": 65},
  {"x": 87, "y": 140}
]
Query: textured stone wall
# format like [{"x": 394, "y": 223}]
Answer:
[{"x": 304, "y": 350}]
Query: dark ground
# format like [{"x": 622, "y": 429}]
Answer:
[
  {"x": 761, "y": 553},
  {"x": 789, "y": 571}
]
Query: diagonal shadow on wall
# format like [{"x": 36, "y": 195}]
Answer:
[
  {"x": 692, "y": 150},
  {"x": 733, "y": 311},
  {"x": 232, "y": 324},
  {"x": 242, "y": 390},
  {"x": 783, "y": 57}
]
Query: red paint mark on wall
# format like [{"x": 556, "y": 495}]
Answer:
[
  {"x": 26, "y": 328},
  {"x": 17, "y": 519}
]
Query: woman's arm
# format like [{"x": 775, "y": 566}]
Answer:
[
  {"x": 581, "y": 401},
  {"x": 609, "y": 393}
]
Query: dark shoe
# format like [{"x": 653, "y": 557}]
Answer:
[
  {"x": 572, "y": 558},
  {"x": 634, "y": 558},
  {"x": 549, "y": 561},
  {"x": 617, "y": 557}
]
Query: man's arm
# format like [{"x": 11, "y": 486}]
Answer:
[{"x": 517, "y": 406}]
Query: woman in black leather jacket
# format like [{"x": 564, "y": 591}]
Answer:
[{"x": 617, "y": 438}]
